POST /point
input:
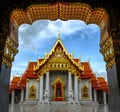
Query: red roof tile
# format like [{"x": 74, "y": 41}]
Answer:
[
  {"x": 14, "y": 83},
  {"x": 103, "y": 83},
  {"x": 87, "y": 71},
  {"x": 29, "y": 73}
]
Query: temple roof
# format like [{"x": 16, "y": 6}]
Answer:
[
  {"x": 22, "y": 81},
  {"x": 99, "y": 83},
  {"x": 15, "y": 79},
  {"x": 14, "y": 83},
  {"x": 87, "y": 74},
  {"x": 103, "y": 83},
  {"x": 30, "y": 73},
  {"x": 53, "y": 50},
  {"x": 95, "y": 82}
]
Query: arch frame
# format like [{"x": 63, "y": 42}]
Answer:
[
  {"x": 54, "y": 84},
  {"x": 113, "y": 30}
]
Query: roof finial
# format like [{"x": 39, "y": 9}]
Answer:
[
  {"x": 72, "y": 54},
  {"x": 89, "y": 60},
  {"x": 59, "y": 35},
  {"x": 80, "y": 57},
  {"x": 28, "y": 59},
  {"x": 38, "y": 57},
  {"x": 45, "y": 54}
]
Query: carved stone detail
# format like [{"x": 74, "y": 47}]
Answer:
[
  {"x": 10, "y": 51},
  {"x": 107, "y": 51}
]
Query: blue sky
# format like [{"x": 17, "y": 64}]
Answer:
[{"x": 77, "y": 37}]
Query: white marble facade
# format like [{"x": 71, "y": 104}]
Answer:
[{"x": 72, "y": 90}]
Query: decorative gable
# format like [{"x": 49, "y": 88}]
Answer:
[{"x": 59, "y": 59}]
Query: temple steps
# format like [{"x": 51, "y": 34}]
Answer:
[
  {"x": 59, "y": 103},
  {"x": 88, "y": 103}
]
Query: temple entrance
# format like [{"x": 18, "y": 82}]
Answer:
[{"x": 58, "y": 90}]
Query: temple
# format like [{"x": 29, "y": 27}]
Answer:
[{"x": 58, "y": 77}]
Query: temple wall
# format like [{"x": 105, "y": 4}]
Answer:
[
  {"x": 82, "y": 83},
  {"x": 30, "y": 83}
]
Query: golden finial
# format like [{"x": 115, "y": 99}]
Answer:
[
  {"x": 38, "y": 57},
  {"x": 44, "y": 53},
  {"x": 72, "y": 54},
  {"x": 80, "y": 57},
  {"x": 89, "y": 60},
  {"x": 28, "y": 59},
  {"x": 58, "y": 35}
]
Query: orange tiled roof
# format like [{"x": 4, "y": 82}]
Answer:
[
  {"x": 22, "y": 82},
  {"x": 15, "y": 79},
  {"x": 29, "y": 73},
  {"x": 31, "y": 65},
  {"x": 87, "y": 71},
  {"x": 95, "y": 82},
  {"x": 14, "y": 83},
  {"x": 103, "y": 83}
]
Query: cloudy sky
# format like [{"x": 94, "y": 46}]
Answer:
[{"x": 77, "y": 37}]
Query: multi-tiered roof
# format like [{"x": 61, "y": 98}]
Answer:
[{"x": 98, "y": 83}]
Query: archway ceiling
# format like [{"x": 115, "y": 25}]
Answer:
[
  {"x": 7, "y": 6},
  {"x": 56, "y": 11}
]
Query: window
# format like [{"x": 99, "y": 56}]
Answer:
[
  {"x": 32, "y": 92},
  {"x": 84, "y": 91}
]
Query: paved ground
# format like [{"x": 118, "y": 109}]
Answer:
[{"x": 58, "y": 108}]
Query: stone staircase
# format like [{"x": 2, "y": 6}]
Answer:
[
  {"x": 88, "y": 103},
  {"x": 55, "y": 103}
]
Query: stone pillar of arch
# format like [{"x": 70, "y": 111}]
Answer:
[
  {"x": 111, "y": 54},
  {"x": 6, "y": 60}
]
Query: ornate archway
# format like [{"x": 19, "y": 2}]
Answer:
[
  {"x": 58, "y": 90},
  {"x": 90, "y": 11}
]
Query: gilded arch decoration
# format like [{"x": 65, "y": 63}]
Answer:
[
  {"x": 85, "y": 92},
  {"x": 32, "y": 91},
  {"x": 58, "y": 90}
]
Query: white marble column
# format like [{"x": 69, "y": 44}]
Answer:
[
  {"x": 69, "y": 83},
  {"x": 80, "y": 94},
  {"x": 27, "y": 90},
  {"x": 70, "y": 90},
  {"x": 47, "y": 90},
  {"x": 37, "y": 91},
  {"x": 13, "y": 95},
  {"x": 22, "y": 95},
  {"x": 41, "y": 89},
  {"x": 104, "y": 97},
  {"x": 75, "y": 89},
  {"x": 95, "y": 95},
  {"x": 90, "y": 91}
]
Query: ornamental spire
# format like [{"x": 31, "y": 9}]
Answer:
[
  {"x": 72, "y": 54},
  {"x": 58, "y": 35}
]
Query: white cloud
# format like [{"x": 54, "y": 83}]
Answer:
[{"x": 43, "y": 29}]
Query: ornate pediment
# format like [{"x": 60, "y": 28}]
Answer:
[
  {"x": 59, "y": 59},
  {"x": 59, "y": 56}
]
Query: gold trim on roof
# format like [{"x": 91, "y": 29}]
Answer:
[{"x": 59, "y": 59}]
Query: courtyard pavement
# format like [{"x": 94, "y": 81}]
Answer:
[{"x": 58, "y": 108}]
